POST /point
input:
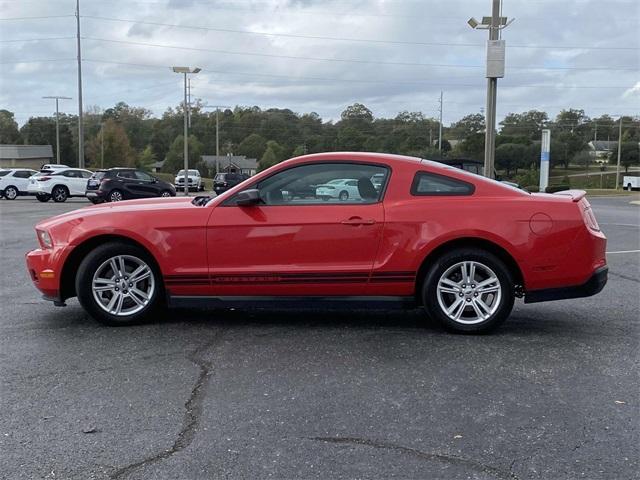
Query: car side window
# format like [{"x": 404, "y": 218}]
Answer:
[
  {"x": 85, "y": 174},
  {"x": 425, "y": 183},
  {"x": 22, "y": 174},
  {"x": 325, "y": 184},
  {"x": 143, "y": 176},
  {"x": 127, "y": 175}
]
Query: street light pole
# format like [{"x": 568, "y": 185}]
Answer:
[
  {"x": 80, "y": 126},
  {"x": 619, "y": 153},
  {"x": 217, "y": 107},
  {"x": 101, "y": 145},
  {"x": 58, "y": 125},
  {"x": 495, "y": 70},
  {"x": 185, "y": 71},
  {"x": 440, "y": 132}
]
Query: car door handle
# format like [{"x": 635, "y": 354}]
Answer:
[{"x": 355, "y": 221}]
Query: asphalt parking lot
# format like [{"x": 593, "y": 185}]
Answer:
[{"x": 554, "y": 394}]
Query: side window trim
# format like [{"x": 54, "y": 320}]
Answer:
[
  {"x": 471, "y": 188},
  {"x": 230, "y": 202}
]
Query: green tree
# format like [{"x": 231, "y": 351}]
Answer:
[
  {"x": 467, "y": 126},
  {"x": 565, "y": 145},
  {"x": 528, "y": 124},
  {"x": 146, "y": 159},
  {"x": 272, "y": 155},
  {"x": 174, "y": 160},
  {"x": 9, "y": 134},
  {"x": 629, "y": 155},
  {"x": 252, "y": 146},
  {"x": 511, "y": 156},
  {"x": 117, "y": 149},
  {"x": 357, "y": 112}
]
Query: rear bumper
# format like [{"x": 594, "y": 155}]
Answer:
[{"x": 594, "y": 285}]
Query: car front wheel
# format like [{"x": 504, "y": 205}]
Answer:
[
  {"x": 10, "y": 193},
  {"x": 116, "y": 196},
  {"x": 118, "y": 284},
  {"x": 165, "y": 193},
  {"x": 468, "y": 290},
  {"x": 43, "y": 197}
]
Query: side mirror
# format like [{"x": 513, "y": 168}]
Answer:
[{"x": 247, "y": 198}]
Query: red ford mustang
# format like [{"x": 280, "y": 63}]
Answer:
[{"x": 329, "y": 228}]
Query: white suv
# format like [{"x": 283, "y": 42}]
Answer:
[
  {"x": 195, "y": 181},
  {"x": 14, "y": 182},
  {"x": 59, "y": 184}
]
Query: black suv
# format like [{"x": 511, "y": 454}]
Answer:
[
  {"x": 224, "y": 181},
  {"x": 118, "y": 184}
]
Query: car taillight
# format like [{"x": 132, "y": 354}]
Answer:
[
  {"x": 224, "y": 184},
  {"x": 589, "y": 218}
]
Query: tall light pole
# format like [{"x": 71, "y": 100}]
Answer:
[
  {"x": 217, "y": 107},
  {"x": 101, "y": 144},
  {"x": 185, "y": 71},
  {"x": 440, "y": 132},
  {"x": 80, "y": 126},
  {"x": 619, "y": 153},
  {"x": 57, "y": 97},
  {"x": 495, "y": 70}
]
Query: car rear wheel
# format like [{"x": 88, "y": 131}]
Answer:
[
  {"x": 59, "y": 194},
  {"x": 344, "y": 195},
  {"x": 43, "y": 197},
  {"x": 116, "y": 196},
  {"x": 165, "y": 193},
  {"x": 468, "y": 290},
  {"x": 10, "y": 193},
  {"x": 118, "y": 284}
]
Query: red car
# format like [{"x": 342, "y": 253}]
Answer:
[{"x": 400, "y": 231}]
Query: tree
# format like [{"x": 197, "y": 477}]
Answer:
[
  {"x": 511, "y": 156},
  {"x": 252, "y": 146},
  {"x": 146, "y": 159},
  {"x": 565, "y": 145},
  {"x": 117, "y": 149},
  {"x": 174, "y": 160},
  {"x": 272, "y": 155},
  {"x": 629, "y": 155},
  {"x": 528, "y": 124},
  {"x": 9, "y": 134},
  {"x": 467, "y": 126},
  {"x": 357, "y": 112}
]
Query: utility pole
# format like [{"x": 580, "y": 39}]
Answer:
[
  {"x": 619, "y": 153},
  {"x": 495, "y": 70},
  {"x": 440, "y": 133},
  {"x": 185, "y": 71},
  {"x": 101, "y": 145},
  {"x": 189, "y": 102},
  {"x": 58, "y": 125},
  {"x": 217, "y": 107},
  {"x": 80, "y": 125}
]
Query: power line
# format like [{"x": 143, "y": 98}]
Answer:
[
  {"x": 42, "y": 39},
  {"x": 36, "y": 18},
  {"x": 367, "y": 81},
  {"x": 340, "y": 60},
  {"x": 364, "y": 40}
]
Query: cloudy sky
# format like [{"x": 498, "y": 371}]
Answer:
[{"x": 321, "y": 55}]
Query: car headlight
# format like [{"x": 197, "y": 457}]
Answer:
[{"x": 45, "y": 239}]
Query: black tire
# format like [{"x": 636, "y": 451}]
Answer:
[
  {"x": 442, "y": 265},
  {"x": 165, "y": 193},
  {"x": 629, "y": 187},
  {"x": 84, "y": 279},
  {"x": 43, "y": 197},
  {"x": 59, "y": 194},
  {"x": 115, "y": 196},
  {"x": 11, "y": 192},
  {"x": 95, "y": 200},
  {"x": 344, "y": 195}
]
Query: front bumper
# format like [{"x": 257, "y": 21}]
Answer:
[
  {"x": 594, "y": 285},
  {"x": 45, "y": 276}
]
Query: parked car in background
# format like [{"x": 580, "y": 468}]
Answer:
[
  {"x": 116, "y": 184},
  {"x": 14, "y": 182},
  {"x": 195, "y": 181},
  {"x": 224, "y": 181},
  {"x": 341, "y": 189},
  {"x": 461, "y": 246},
  {"x": 52, "y": 166},
  {"x": 630, "y": 183},
  {"x": 59, "y": 184}
]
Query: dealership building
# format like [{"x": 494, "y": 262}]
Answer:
[{"x": 25, "y": 156}]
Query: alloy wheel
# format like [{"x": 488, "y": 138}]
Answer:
[
  {"x": 469, "y": 292},
  {"x": 123, "y": 285},
  {"x": 115, "y": 196},
  {"x": 10, "y": 193}
]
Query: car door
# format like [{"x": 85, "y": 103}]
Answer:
[
  {"x": 21, "y": 179},
  {"x": 147, "y": 186},
  {"x": 297, "y": 246},
  {"x": 129, "y": 184},
  {"x": 74, "y": 181}
]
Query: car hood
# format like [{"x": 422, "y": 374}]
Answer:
[{"x": 142, "y": 205}]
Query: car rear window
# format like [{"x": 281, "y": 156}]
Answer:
[
  {"x": 98, "y": 175},
  {"x": 3, "y": 173},
  {"x": 425, "y": 183}
]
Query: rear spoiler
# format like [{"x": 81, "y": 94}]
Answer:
[{"x": 576, "y": 195}]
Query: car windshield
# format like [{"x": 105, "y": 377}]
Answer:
[{"x": 3, "y": 173}]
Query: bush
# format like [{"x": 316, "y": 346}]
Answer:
[
  {"x": 532, "y": 188},
  {"x": 557, "y": 188}
]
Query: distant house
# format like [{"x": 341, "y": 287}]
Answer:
[
  {"x": 600, "y": 149},
  {"x": 25, "y": 156},
  {"x": 231, "y": 163},
  {"x": 157, "y": 166}
]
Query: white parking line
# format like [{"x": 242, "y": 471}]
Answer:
[{"x": 624, "y": 251}]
